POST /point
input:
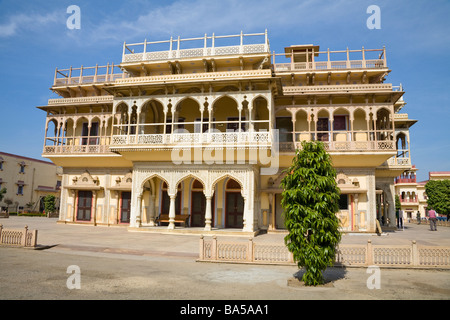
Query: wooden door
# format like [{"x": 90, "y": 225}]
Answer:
[
  {"x": 125, "y": 207},
  {"x": 198, "y": 209},
  {"x": 84, "y": 205},
  {"x": 234, "y": 207}
]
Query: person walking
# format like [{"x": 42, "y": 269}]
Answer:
[
  {"x": 418, "y": 217},
  {"x": 432, "y": 218}
]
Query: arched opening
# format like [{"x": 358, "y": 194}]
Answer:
[
  {"x": 68, "y": 132},
  {"x": 383, "y": 125},
  {"x": 260, "y": 114},
  {"x": 187, "y": 114},
  {"x": 234, "y": 205},
  {"x": 226, "y": 115},
  {"x": 121, "y": 119},
  {"x": 360, "y": 125},
  {"x": 341, "y": 125},
  {"x": 52, "y": 133},
  {"x": 302, "y": 126},
  {"x": 151, "y": 118},
  {"x": 165, "y": 200},
  {"x": 198, "y": 205},
  {"x": 323, "y": 126},
  {"x": 283, "y": 122},
  {"x": 402, "y": 146}
]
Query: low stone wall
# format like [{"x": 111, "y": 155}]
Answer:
[
  {"x": 409, "y": 256},
  {"x": 18, "y": 237}
]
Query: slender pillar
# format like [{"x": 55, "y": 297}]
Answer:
[
  {"x": 272, "y": 224},
  {"x": 208, "y": 214},
  {"x": 151, "y": 209},
  {"x": 94, "y": 207},
  {"x": 172, "y": 211},
  {"x": 139, "y": 211}
]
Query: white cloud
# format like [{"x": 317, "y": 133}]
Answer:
[
  {"x": 195, "y": 18},
  {"x": 26, "y": 22}
]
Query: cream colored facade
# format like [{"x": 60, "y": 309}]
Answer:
[
  {"x": 206, "y": 131},
  {"x": 27, "y": 181}
]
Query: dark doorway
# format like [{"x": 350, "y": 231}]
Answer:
[
  {"x": 234, "y": 210},
  {"x": 84, "y": 205},
  {"x": 125, "y": 207}
]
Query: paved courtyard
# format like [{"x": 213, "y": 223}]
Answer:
[{"x": 117, "y": 264}]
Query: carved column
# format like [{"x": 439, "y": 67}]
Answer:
[
  {"x": 172, "y": 211},
  {"x": 74, "y": 210},
  {"x": 272, "y": 224},
  {"x": 151, "y": 209},
  {"x": 208, "y": 214},
  {"x": 94, "y": 207}
]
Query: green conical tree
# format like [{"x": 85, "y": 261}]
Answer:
[{"x": 310, "y": 201}]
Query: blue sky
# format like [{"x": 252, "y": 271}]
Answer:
[{"x": 34, "y": 40}]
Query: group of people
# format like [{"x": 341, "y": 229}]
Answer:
[{"x": 432, "y": 217}]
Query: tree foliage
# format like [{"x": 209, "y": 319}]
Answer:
[
  {"x": 398, "y": 204},
  {"x": 49, "y": 204},
  {"x": 2, "y": 193},
  {"x": 438, "y": 193},
  {"x": 310, "y": 201}
]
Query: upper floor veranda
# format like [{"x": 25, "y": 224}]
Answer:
[
  {"x": 238, "y": 57},
  {"x": 220, "y": 93}
]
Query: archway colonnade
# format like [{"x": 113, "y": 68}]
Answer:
[
  {"x": 160, "y": 119},
  {"x": 206, "y": 179},
  {"x": 339, "y": 127}
]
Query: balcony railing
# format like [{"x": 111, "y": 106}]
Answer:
[
  {"x": 77, "y": 149},
  {"x": 320, "y": 63},
  {"x": 341, "y": 141},
  {"x": 227, "y": 139},
  {"x": 88, "y": 75},
  {"x": 340, "y": 146},
  {"x": 412, "y": 200},
  {"x": 338, "y": 88},
  {"x": 205, "y": 51},
  {"x": 77, "y": 145},
  {"x": 405, "y": 180},
  {"x": 82, "y": 100}
]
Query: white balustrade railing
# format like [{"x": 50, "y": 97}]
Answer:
[
  {"x": 330, "y": 65},
  {"x": 406, "y": 256},
  {"x": 76, "y": 149},
  {"x": 215, "y": 138}
]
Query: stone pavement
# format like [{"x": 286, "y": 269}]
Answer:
[
  {"x": 118, "y": 264},
  {"x": 118, "y": 239}
]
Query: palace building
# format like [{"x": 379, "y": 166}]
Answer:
[{"x": 194, "y": 134}]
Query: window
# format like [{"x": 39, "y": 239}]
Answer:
[
  {"x": 322, "y": 126},
  {"x": 340, "y": 123},
  {"x": 235, "y": 125},
  {"x": 343, "y": 202},
  {"x": 20, "y": 190},
  {"x": 285, "y": 127},
  {"x": 176, "y": 126},
  {"x": 92, "y": 133},
  {"x": 205, "y": 124},
  {"x": 22, "y": 168}
]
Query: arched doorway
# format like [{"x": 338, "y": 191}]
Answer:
[
  {"x": 234, "y": 205},
  {"x": 198, "y": 205}
]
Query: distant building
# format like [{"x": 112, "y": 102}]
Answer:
[
  {"x": 27, "y": 182},
  {"x": 412, "y": 195}
]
